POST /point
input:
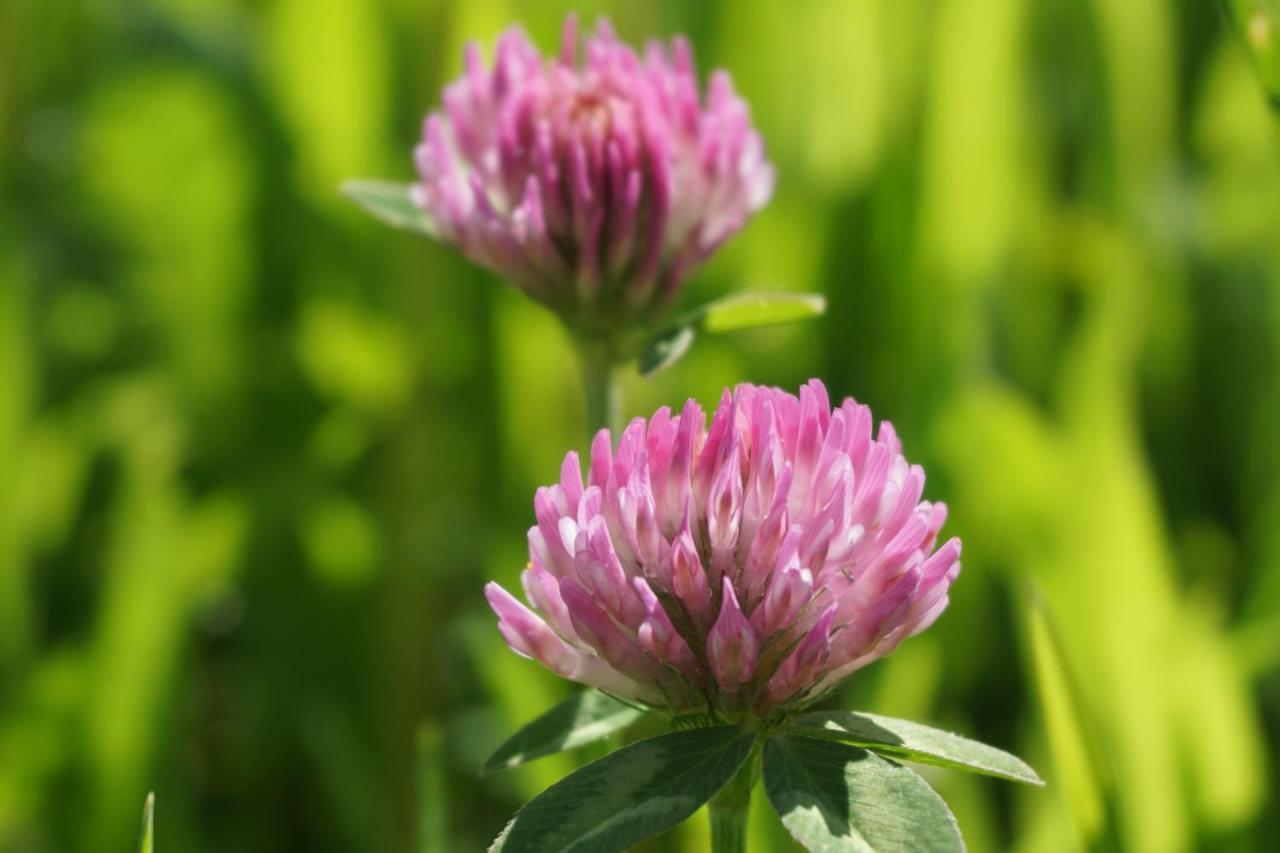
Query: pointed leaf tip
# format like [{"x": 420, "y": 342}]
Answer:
[
  {"x": 581, "y": 719},
  {"x": 392, "y": 203},
  {"x": 904, "y": 740},
  {"x": 146, "y": 839}
]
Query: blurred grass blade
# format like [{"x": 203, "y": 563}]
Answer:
[
  {"x": 837, "y": 797},
  {"x": 904, "y": 740},
  {"x": 632, "y": 794},
  {"x": 392, "y": 203},
  {"x": 1071, "y": 733},
  {"x": 146, "y": 839},
  {"x": 432, "y": 800},
  {"x": 1258, "y": 23},
  {"x": 581, "y": 719},
  {"x": 730, "y": 314}
]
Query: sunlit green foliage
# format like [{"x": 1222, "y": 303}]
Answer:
[{"x": 259, "y": 452}]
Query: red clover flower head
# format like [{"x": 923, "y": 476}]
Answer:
[
  {"x": 738, "y": 569},
  {"x": 596, "y": 185}
]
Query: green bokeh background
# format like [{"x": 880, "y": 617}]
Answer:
[{"x": 258, "y": 453}]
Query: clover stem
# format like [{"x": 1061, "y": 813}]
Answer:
[
  {"x": 730, "y": 807},
  {"x": 601, "y": 388}
]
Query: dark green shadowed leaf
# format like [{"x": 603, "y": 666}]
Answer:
[
  {"x": 392, "y": 203},
  {"x": 637, "y": 792},
  {"x": 908, "y": 741},
  {"x": 146, "y": 839},
  {"x": 730, "y": 314},
  {"x": 578, "y": 720},
  {"x": 834, "y": 797}
]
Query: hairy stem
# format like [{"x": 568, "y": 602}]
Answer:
[
  {"x": 600, "y": 385},
  {"x": 730, "y": 807}
]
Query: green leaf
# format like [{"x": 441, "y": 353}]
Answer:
[
  {"x": 639, "y": 791},
  {"x": 754, "y": 310},
  {"x": 835, "y": 797},
  {"x": 1258, "y": 24},
  {"x": 579, "y": 720},
  {"x": 392, "y": 203},
  {"x": 146, "y": 839},
  {"x": 665, "y": 349},
  {"x": 908, "y": 741},
  {"x": 730, "y": 314}
]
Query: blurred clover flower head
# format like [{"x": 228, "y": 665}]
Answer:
[
  {"x": 594, "y": 186},
  {"x": 739, "y": 570}
]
